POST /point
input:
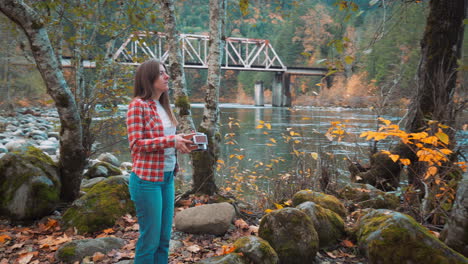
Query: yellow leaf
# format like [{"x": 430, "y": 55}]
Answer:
[
  {"x": 385, "y": 121},
  {"x": 268, "y": 125},
  {"x": 349, "y": 59},
  {"x": 273, "y": 140},
  {"x": 268, "y": 211},
  {"x": 394, "y": 157},
  {"x": 314, "y": 155},
  {"x": 221, "y": 161},
  {"x": 240, "y": 157},
  {"x": 278, "y": 206},
  {"x": 446, "y": 151},
  {"x": 259, "y": 126},
  {"x": 405, "y": 162},
  {"x": 430, "y": 172},
  {"x": 442, "y": 137}
]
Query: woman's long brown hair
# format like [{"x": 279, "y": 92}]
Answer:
[{"x": 146, "y": 74}]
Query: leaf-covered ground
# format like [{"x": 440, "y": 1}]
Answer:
[{"x": 37, "y": 243}]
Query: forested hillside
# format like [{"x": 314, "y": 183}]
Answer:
[{"x": 378, "y": 46}]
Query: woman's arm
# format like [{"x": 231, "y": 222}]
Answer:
[{"x": 135, "y": 129}]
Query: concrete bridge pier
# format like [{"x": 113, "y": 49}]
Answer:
[
  {"x": 281, "y": 89},
  {"x": 259, "y": 93}
]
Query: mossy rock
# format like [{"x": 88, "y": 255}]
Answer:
[
  {"x": 29, "y": 184},
  {"x": 256, "y": 249},
  {"x": 76, "y": 250},
  {"x": 100, "y": 207},
  {"x": 324, "y": 200},
  {"x": 231, "y": 258},
  {"x": 367, "y": 196},
  {"x": 386, "y": 236},
  {"x": 328, "y": 224},
  {"x": 292, "y": 235},
  {"x": 102, "y": 169}
]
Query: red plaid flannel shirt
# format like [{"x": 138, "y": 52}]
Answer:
[{"x": 147, "y": 140}]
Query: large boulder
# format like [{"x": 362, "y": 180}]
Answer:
[
  {"x": 205, "y": 219},
  {"x": 328, "y": 224},
  {"x": 455, "y": 232},
  {"x": 29, "y": 184},
  {"x": 324, "y": 200},
  {"x": 231, "y": 258},
  {"x": 102, "y": 169},
  {"x": 100, "y": 207},
  {"x": 387, "y": 236},
  {"x": 256, "y": 249},
  {"x": 78, "y": 249},
  {"x": 367, "y": 196},
  {"x": 292, "y": 235},
  {"x": 109, "y": 158}
]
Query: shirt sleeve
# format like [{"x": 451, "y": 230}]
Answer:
[{"x": 135, "y": 129}]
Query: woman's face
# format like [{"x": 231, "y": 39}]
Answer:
[{"x": 161, "y": 84}]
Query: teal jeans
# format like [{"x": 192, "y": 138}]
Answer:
[{"x": 154, "y": 204}]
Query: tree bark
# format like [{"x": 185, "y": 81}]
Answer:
[
  {"x": 176, "y": 68},
  {"x": 441, "y": 47},
  {"x": 205, "y": 161},
  {"x": 72, "y": 156}
]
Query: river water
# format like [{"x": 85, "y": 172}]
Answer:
[{"x": 248, "y": 149}]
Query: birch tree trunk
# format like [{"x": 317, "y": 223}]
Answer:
[
  {"x": 205, "y": 162},
  {"x": 72, "y": 156},
  {"x": 176, "y": 68}
]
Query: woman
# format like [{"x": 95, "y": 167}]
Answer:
[{"x": 151, "y": 127}]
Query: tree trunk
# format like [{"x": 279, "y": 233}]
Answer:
[
  {"x": 176, "y": 68},
  {"x": 205, "y": 162},
  {"x": 72, "y": 158},
  {"x": 441, "y": 47}
]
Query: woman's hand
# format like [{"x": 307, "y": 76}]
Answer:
[{"x": 181, "y": 144}]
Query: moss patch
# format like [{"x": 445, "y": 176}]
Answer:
[
  {"x": 37, "y": 175},
  {"x": 324, "y": 200},
  {"x": 292, "y": 235},
  {"x": 183, "y": 103},
  {"x": 391, "y": 237},
  {"x": 328, "y": 224},
  {"x": 67, "y": 252},
  {"x": 104, "y": 203}
]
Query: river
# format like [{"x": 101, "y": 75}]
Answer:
[{"x": 250, "y": 150}]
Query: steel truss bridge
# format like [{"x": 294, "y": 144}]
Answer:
[{"x": 242, "y": 54}]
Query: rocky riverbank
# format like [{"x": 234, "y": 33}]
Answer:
[{"x": 358, "y": 224}]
